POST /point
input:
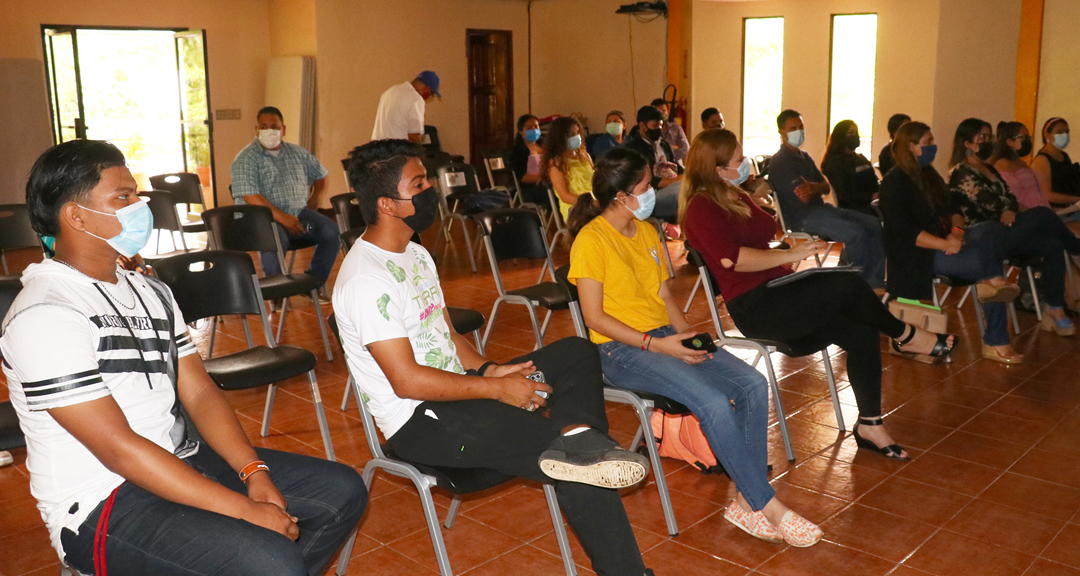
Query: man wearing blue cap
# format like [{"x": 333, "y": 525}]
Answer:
[{"x": 401, "y": 108}]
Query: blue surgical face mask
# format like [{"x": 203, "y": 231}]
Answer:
[
  {"x": 646, "y": 203},
  {"x": 1061, "y": 140},
  {"x": 796, "y": 137},
  {"x": 137, "y": 221},
  {"x": 744, "y": 172},
  {"x": 929, "y": 152},
  {"x": 574, "y": 142},
  {"x": 532, "y": 134}
]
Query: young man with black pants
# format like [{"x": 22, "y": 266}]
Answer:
[
  {"x": 440, "y": 403},
  {"x": 137, "y": 461}
]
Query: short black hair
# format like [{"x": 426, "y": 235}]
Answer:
[
  {"x": 66, "y": 173},
  {"x": 375, "y": 171},
  {"x": 270, "y": 110},
  {"x": 782, "y": 118},
  {"x": 648, "y": 114},
  {"x": 896, "y": 121},
  {"x": 659, "y": 102},
  {"x": 708, "y": 113}
]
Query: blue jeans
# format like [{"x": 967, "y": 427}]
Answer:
[
  {"x": 860, "y": 233},
  {"x": 151, "y": 535},
  {"x": 737, "y": 435},
  {"x": 322, "y": 231},
  {"x": 980, "y": 259}
]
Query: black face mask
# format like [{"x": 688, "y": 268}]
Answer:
[
  {"x": 986, "y": 149},
  {"x": 1025, "y": 147},
  {"x": 426, "y": 207},
  {"x": 653, "y": 134},
  {"x": 853, "y": 142}
]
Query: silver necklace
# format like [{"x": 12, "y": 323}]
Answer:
[{"x": 107, "y": 291}]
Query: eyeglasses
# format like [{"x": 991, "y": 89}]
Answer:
[{"x": 983, "y": 138}]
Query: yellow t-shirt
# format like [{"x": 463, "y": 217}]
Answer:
[
  {"x": 578, "y": 179},
  {"x": 630, "y": 269}
]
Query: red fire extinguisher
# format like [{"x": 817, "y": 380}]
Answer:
[{"x": 676, "y": 107}]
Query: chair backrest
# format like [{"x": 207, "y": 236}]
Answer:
[
  {"x": 9, "y": 289},
  {"x": 455, "y": 178},
  {"x": 513, "y": 233},
  {"x": 497, "y": 164},
  {"x": 370, "y": 432},
  {"x": 243, "y": 227},
  {"x": 708, "y": 284},
  {"x": 212, "y": 283},
  {"x": 347, "y": 209},
  {"x": 349, "y": 237},
  {"x": 432, "y": 134},
  {"x": 556, "y": 214},
  {"x": 185, "y": 187},
  {"x": 163, "y": 207},
  {"x": 775, "y": 198},
  {"x": 15, "y": 228},
  {"x": 561, "y": 276}
]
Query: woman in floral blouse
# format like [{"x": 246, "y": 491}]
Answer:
[{"x": 980, "y": 194}]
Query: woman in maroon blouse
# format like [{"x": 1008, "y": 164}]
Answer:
[{"x": 732, "y": 234}]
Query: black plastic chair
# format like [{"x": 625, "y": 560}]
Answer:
[
  {"x": 456, "y": 182},
  {"x": 218, "y": 283},
  {"x": 11, "y": 435},
  {"x": 764, "y": 349},
  {"x": 15, "y": 231},
  {"x": 187, "y": 190},
  {"x": 515, "y": 233},
  {"x": 347, "y": 212},
  {"x": 163, "y": 207},
  {"x": 642, "y": 402},
  {"x": 252, "y": 229}
]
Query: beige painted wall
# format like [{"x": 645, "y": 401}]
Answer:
[
  {"x": 1059, "y": 83},
  {"x": 237, "y": 44},
  {"x": 366, "y": 47},
  {"x": 976, "y": 67},
  {"x": 904, "y": 79},
  {"x": 581, "y": 60},
  {"x": 292, "y": 28}
]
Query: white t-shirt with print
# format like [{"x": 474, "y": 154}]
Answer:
[
  {"x": 401, "y": 112},
  {"x": 64, "y": 343},
  {"x": 383, "y": 295}
]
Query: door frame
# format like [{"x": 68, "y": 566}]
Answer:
[{"x": 469, "y": 33}]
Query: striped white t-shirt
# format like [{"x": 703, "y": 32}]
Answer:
[{"x": 69, "y": 339}]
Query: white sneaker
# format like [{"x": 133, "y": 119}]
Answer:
[{"x": 5, "y": 458}]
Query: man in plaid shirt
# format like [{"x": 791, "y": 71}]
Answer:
[{"x": 289, "y": 181}]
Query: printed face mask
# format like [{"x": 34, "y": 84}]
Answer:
[
  {"x": 426, "y": 208},
  {"x": 270, "y": 139},
  {"x": 137, "y": 221}
]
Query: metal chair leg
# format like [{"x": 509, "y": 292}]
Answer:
[
  {"x": 1034, "y": 296},
  {"x": 213, "y": 336},
  {"x": 346, "y": 395},
  {"x": 479, "y": 341},
  {"x": 779, "y": 406},
  {"x": 491, "y": 320},
  {"x": 832, "y": 389},
  {"x": 346, "y": 552},
  {"x": 455, "y": 504},
  {"x": 322, "y": 325},
  {"x": 281, "y": 318},
  {"x": 271, "y": 391},
  {"x": 645, "y": 429},
  {"x": 693, "y": 293},
  {"x": 324, "y": 428},
  {"x": 560, "y": 530}
]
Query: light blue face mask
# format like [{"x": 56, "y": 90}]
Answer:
[
  {"x": 646, "y": 203},
  {"x": 532, "y": 134},
  {"x": 1061, "y": 140},
  {"x": 796, "y": 137},
  {"x": 137, "y": 221},
  {"x": 744, "y": 172},
  {"x": 574, "y": 142}
]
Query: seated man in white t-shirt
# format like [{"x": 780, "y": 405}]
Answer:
[
  {"x": 137, "y": 461},
  {"x": 439, "y": 402},
  {"x": 402, "y": 108}
]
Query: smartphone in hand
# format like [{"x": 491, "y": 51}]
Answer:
[{"x": 703, "y": 341}]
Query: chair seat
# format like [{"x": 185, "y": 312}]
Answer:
[
  {"x": 663, "y": 403},
  {"x": 301, "y": 243},
  {"x": 456, "y": 480},
  {"x": 285, "y": 285},
  {"x": 953, "y": 281},
  {"x": 549, "y": 294},
  {"x": 1024, "y": 261},
  {"x": 465, "y": 320},
  {"x": 259, "y": 366},
  {"x": 193, "y": 227}
]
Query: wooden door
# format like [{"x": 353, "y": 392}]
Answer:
[{"x": 491, "y": 93}]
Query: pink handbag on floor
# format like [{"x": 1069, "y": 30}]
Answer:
[{"x": 681, "y": 437}]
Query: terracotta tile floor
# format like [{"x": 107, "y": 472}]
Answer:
[{"x": 993, "y": 489}]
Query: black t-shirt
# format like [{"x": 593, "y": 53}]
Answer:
[
  {"x": 853, "y": 178},
  {"x": 885, "y": 160}
]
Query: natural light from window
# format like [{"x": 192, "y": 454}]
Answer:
[
  {"x": 763, "y": 84},
  {"x": 851, "y": 90}
]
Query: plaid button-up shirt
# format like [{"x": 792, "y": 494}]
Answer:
[{"x": 283, "y": 180}]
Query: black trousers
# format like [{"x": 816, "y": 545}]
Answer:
[
  {"x": 1039, "y": 232},
  {"x": 490, "y": 434},
  {"x": 824, "y": 309}
]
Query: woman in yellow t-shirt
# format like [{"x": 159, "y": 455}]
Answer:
[
  {"x": 567, "y": 167},
  {"x": 627, "y": 303}
]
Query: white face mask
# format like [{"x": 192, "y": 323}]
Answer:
[{"x": 270, "y": 139}]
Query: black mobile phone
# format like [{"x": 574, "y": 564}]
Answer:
[{"x": 702, "y": 341}]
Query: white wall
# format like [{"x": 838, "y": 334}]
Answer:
[{"x": 1059, "y": 81}]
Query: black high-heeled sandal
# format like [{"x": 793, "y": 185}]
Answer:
[
  {"x": 891, "y": 451},
  {"x": 941, "y": 349}
]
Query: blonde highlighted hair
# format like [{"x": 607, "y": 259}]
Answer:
[{"x": 711, "y": 149}]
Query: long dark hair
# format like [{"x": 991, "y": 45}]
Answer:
[
  {"x": 618, "y": 170},
  {"x": 1006, "y": 131},
  {"x": 556, "y": 143},
  {"x": 522, "y": 121},
  {"x": 930, "y": 183},
  {"x": 837, "y": 140},
  {"x": 965, "y": 132}
]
